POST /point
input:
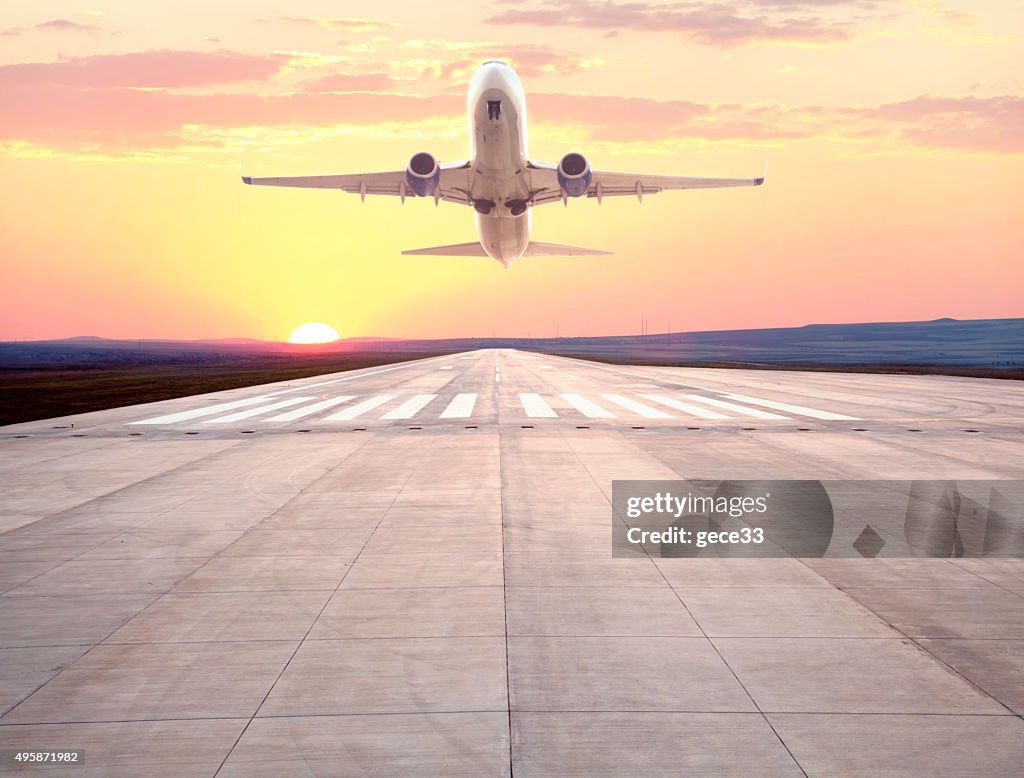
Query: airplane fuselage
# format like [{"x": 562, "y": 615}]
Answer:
[{"x": 499, "y": 179}]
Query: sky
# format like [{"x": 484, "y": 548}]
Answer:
[{"x": 895, "y": 130}]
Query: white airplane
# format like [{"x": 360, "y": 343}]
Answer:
[{"x": 499, "y": 180}]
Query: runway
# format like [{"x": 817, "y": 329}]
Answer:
[{"x": 407, "y": 570}]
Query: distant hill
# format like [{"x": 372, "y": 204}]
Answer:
[{"x": 987, "y": 343}]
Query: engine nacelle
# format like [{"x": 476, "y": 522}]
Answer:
[
  {"x": 574, "y": 174},
  {"x": 423, "y": 175}
]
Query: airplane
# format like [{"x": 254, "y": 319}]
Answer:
[{"x": 500, "y": 181}]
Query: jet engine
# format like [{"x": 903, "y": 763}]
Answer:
[
  {"x": 574, "y": 175},
  {"x": 423, "y": 175}
]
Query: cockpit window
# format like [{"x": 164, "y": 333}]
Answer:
[{"x": 494, "y": 109}]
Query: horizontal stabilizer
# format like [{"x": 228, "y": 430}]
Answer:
[
  {"x": 538, "y": 249},
  {"x": 535, "y": 249},
  {"x": 473, "y": 249}
]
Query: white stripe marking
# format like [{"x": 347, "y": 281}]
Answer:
[
  {"x": 410, "y": 407},
  {"x": 632, "y": 405},
  {"x": 799, "y": 409},
  {"x": 589, "y": 409},
  {"x": 460, "y": 408},
  {"x": 446, "y": 367},
  {"x": 693, "y": 410},
  {"x": 545, "y": 367},
  {"x": 360, "y": 408},
  {"x": 208, "y": 410},
  {"x": 257, "y": 411},
  {"x": 467, "y": 357},
  {"x": 752, "y": 412},
  {"x": 535, "y": 406},
  {"x": 402, "y": 366},
  {"x": 298, "y": 413}
]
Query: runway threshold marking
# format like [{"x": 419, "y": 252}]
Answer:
[
  {"x": 588, "y": 408},
  {"x": 209, "y": 410},
  {"x": 693, "y": 410},
  {"x": 740, "y": 409},
  {"x": 632, "y": 405},
  {"x": 535, "y": 406},
  {"x": 249, "y": 413},
  {"x": 360, "y": 408},
  {"x": 446, "y": 367},
  {"x": 461, "y": 407},
  {"x": 402, "y": 366},
  {"x": 307, "y": 410},
  {"x": 799, "y": 409},
  {"x": 410, "y": 407}
]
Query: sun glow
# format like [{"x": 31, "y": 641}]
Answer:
[{"x": 314, "y": 332}]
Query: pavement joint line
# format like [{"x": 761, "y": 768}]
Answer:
[{"x": 327, "y": 601}]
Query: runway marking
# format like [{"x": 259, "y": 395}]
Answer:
[
  {"x": 446, "y": 367},
  {"x": 545, "y": 367},
  {"x": 535, "y": 406},
  {"x": 360, "y": 408},
  {"x": 467, "y": 357},
  {"x": 402, "y": 366},
  {"x": 799, "y": 409},
  {"x": 298, "y": 413},
  {"x": 693, "y": 410},
  {"x": 632, "y": 405},
  {"x": 461, "y": 407},
  {"x": 249, "y": 413},
  {"x": 209, "y": 410},
  {"x": 586, "y": 407},
  {"x": 410, "y": 407},
  {"x": 752, "y": 412}
]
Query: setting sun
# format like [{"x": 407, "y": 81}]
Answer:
[{"x": 314, "y": 332}]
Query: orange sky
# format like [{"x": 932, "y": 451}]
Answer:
[{"x": 895, "y": 129}]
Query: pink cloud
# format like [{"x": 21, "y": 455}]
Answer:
[
  {"x": 162, "y": 68},
  {"x": 349, "y": 82},
  {"x": 709, "y": 23}
]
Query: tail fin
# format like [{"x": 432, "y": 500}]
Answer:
[{"x": 535, "y": 249}]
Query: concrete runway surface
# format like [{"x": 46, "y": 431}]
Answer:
[{"x": 406, "y": 570}]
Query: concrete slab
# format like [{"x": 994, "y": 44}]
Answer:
[
  {"x": 128, "y": 749},
  {"x": 870, "y": 745},
  {"x": 608, "y": 611},
  {"x": 432, "y": 744},
  {"x": 947, "y": 613},
  {"x": 995, "y": 666},
  {"x": 158, "y": 681},
  {"x": 390, "y": 571},
  {"x": 413, "y": 613},
  {"x": 65, "y": 621},
  {"x": 763, "y": 612},
  {"x": 650, "y": 744},
  {"x": 23, "y": 670},
  {"x": 261, "y": 574},
  {"x": 116, "y": 576},
  {"x": 405, "y": 675},
  {"x": 621, "y": 674},
  {"x": 176, "y": 618},
  {"x": 840, "y": 675}
]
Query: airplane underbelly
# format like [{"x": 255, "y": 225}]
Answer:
[{"x": 503, "y": 238}]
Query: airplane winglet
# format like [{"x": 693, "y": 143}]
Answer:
[
  {"x": 245, "y": 179},
  {"x": 760, "y": 179}
]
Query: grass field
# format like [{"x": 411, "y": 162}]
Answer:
[{"x": 29, "y": 393}]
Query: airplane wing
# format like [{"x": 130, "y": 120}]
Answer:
[
  {"x": 603, "y": 183},
  {"x": 454, "y": 184}
]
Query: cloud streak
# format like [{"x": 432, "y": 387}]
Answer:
[
  {"x": 155, "y": 69},
  {"x": 715, "y": 24}
]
